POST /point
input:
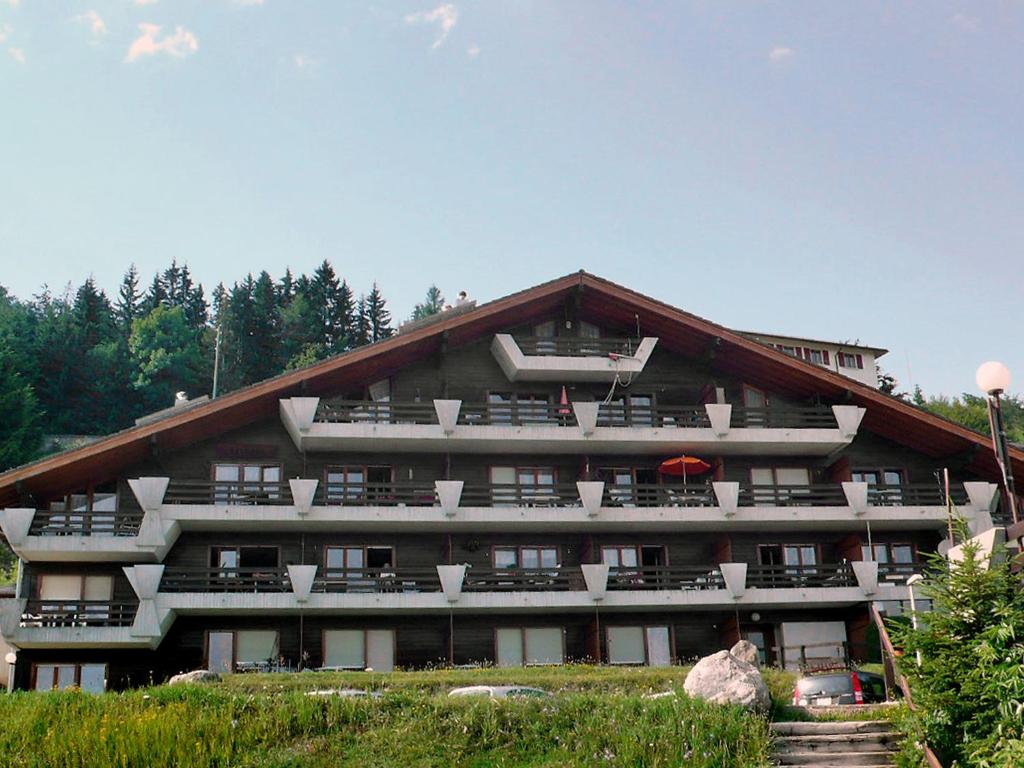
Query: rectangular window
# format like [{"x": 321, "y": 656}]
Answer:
[
  {"x": 589, "y": 330},
  {"x": 885, "y": 486},
  {"x": 639, "y": 645},
  {"x": 527, "y": 486},
  {"x": 527, "y": 557},
  {"x": 850, "y": 360},
  {"x": 529, "y": 646},
  {"x": 75, "y": 587},
  {"x": 91, "y": 678},
  {"x": 779, "y": 486},
  {"x": 359, "y": 649},
  {"x": 359, "y": 484},
  {"x": 816, "y": 356},
  {"x": 888, "y": 553},
  {"x": 246, "y": 483},
  {"x": 230, "y": 651},
  {"x": 754, "y": 397}
]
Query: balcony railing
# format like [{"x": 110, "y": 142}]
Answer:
[
  {"x": 572, "y": 346},
  {"x": 370, "y": 412},
  {"x": 784, "y": 417},
  {"x": 922, "y": 495},
  {"x": 898, "y": 573},
  {"x": 190, "y": 579},
  {"x": 228, "y": 493},
  {"x": 631, "y": 415},
  {"x": 654, "y": 495},
  {"x": 555, "y": 579},
  {"x": 85, "y": 523},
  {"x": 393, "y": 494},
  {"x": 520, "y": 495},
  {"x": 792, "y": 496},
  {"x": 78, "y": 613},
  {"x": 354, "y": 580},
  {"x": 517, "y": 414},
  {"x": 674, "y": 577},
  {"x": 799, "y": 576}
]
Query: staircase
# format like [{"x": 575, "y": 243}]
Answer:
[{"x": 835, "y": 744}]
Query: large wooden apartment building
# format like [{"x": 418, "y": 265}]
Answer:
[{"x": 489, "y": 487}]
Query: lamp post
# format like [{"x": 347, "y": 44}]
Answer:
[
  {"x": 917, "y": 578},
  {"x": 993, "y": 378}
]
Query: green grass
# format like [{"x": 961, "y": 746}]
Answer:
[{"x": 598, "y": 718}]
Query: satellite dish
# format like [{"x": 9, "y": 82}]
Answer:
[{"x": 11, "y": 657}]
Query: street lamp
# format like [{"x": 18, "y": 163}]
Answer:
[
  {"x": 993, "y": 379},
  {"x": 917, "y": 578}
]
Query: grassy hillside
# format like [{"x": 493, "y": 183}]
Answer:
[{"x": 598, "y": 718}]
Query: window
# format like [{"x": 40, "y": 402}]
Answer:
[
  {"x": 229, "y": 651},
  {"x": 90, "y": 512},
  {"x": 789, "y": 350},
  {"x": 91, "y": 678},
  {"x": 779, "y": 486},
  {"x": 246, "y": 483},
  {"x": 884, "y": 485},
  {"x": 529, "y": 486},
  {"x": 516, "y": 647},
  {"x": 639, "y": 645},
  {"x": 754, "y": 398},
  {"x": 791, "y": 561},
  {"x": 359, "y": 649},
  {"x": 816, "y": 356},
  {"x": 357, "y": 483},
  {"x": 888, "y": 553},
  {"x": 527, "y": 557},
  {"x": 631, "y": 486},
  {"x": 589, "y": 331},
  {"x": 356, "y": 558},
  {"x": 632, "y": 411},
  {"x": 850, "y": 360},
  {"x": 634, "y": 564},
  {"x": 230, "y": 559},
  {"x": 519, "y": 408}
]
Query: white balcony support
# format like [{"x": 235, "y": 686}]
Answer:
[
  {"x": 447, "y": 414},
  {"x": 303, "y": 493},
  {"x": 596, "y": 577},
  {"x": 990, "y": 545},
  {"x": 866, "y": 572},
  {"x": 856, "y": 496},
  {"x": 586, "y": 416},
  {"x": 149, "y": 492},
  {"x": 848, "y": 417},
  {"x": 735, "y": 576},
  {"x": 449, "y": 493},
  {"x": 728, "y": 495},
  {"x": 452, "y": 577},
  {"x": 557, "y": 368},
  {"x": 157, "y": 533},
  {"x": 149, "y": 618},
  {"x": 591, "y": 495},
  {"x": 145, "y": 580},
  {"x": 981, "y": 495},
  {"x": 303, "y": 411},
  {"x": 11, "y": 611},
  {"x": 302, "y": 577},
  {"x": 720, "y": 416},
  {"x": 15, "y": 524}
]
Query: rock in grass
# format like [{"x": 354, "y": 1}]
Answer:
[
  {"x": 721, "y": 678},
  {"x": 746, "y": 651},
  {"x": 196, "y": 676}
]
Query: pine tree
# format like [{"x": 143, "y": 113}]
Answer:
[
  {"x": 378, "y": 317},
  {"x": 285, "y": 289},
  {"x": 322, "y": 294},
  {"x": 20, "y": 417},
  {"x": 93, "y": 315},
  {"x": 361, "y": 331},
  {"x": 172, "y": 284},
  {"x": 433, "y": 304},
  {"x": 128, "y": 301},
  {"x": 266, "y": 346},
  {"x": 156, "y": 296}
]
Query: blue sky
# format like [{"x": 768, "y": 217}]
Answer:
[{"x": 836, "y": 170}]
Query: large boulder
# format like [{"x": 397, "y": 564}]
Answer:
[
  {"x": 196, "y": 676},
  {"x": 746, "y": 651},
  {"x": 722, "y": 678}
]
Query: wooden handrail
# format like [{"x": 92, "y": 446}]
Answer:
[{"x": 892, "y": 674}]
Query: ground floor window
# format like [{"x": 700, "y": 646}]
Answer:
[
  {"x": 359, "y": 649},
  {"x": 639, "y": 645},
  {"x": 91, "y": 678},
  {"x": 525, "y": 646},
  {"x": 232, "y": 651}
]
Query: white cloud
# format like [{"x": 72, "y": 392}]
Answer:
[
  {"x": 181, "y": 43},
  {"x": 965, "y": 23},
  {"x": 13, "y": 4},
  {"x": 781, "y": 53},
  {"x": 473, "y": 51},
  {"x": 96, "y": 24},
  {"x": 444, "y": 16},
  {"x": 5, "y": 32},
  {"x": 16, "y": 53}
]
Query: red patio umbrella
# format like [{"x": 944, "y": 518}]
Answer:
[{"x": 682, "y": 466}]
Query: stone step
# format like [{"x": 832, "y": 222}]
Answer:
[
  {"x": 828, "y": 743},
  {"x": 823, "y": 727},
  {"x": 837, "y": 760}
]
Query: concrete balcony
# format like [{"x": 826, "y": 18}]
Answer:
[
  {"x": 561, "y": 359},
  {"x": 70, "y": 624},
  {"x": 455, "y": 506},
  {"x": 451, "y": 426}
]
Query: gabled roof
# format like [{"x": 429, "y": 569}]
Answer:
[{"x": 677, "y": 330}]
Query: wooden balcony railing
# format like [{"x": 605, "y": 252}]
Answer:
[
  {"x": 78, "y": 613},
  {"x": 631, "y": 415},
  {"x": 353, "y": 580},
  {"x": 394, "y": 494},
  {"x": 573, "y": 346},
  {"x": 555, "y": 579},
  {"x": 228, "y": 493},
  {"x": 898, "y": 573},
  {"x": 654, "y": 495},
  {"x": 370, "y": 412},
  {"x": 520, "y": 495},
  {"x": 799, "y": 576},
  {"x": 825, "y": 495},
  {"x": 191, "y": 579},
  {"x": 914, "y": 495},
  {"x": 779, "y": 417},
  {"x": 674, "y": 577},
  {"x": 517, "y": 414},
  {"x": 85, "y": 523}
]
